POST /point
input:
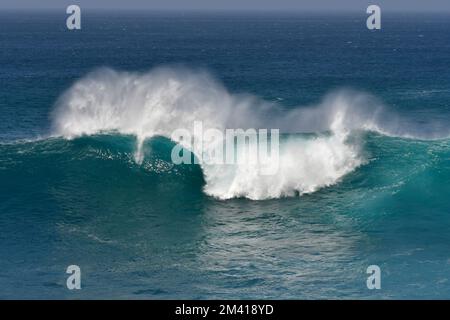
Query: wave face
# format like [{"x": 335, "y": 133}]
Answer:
[{"x": 166, "y": 99}]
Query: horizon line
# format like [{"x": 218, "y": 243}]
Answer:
[{"x": 228, "y": 10}]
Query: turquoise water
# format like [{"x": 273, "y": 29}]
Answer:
[{"x": 72, "y": 192}]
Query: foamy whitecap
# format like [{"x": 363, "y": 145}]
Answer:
[{"x": 165, "y": 99}]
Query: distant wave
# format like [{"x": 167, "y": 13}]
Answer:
[{"x": 165, "y": 99}]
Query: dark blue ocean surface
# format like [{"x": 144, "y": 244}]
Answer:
[{"x": 72, "y": 195}]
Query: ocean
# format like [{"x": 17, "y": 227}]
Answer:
[{"x": 86, "y": 176}]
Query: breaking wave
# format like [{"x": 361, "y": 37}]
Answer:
[{"x": 157, "y": 103}]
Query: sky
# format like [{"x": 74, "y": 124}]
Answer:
[{"x": 235, "y": 5}]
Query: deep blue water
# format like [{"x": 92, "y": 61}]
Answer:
[{"x": 150, "y": 231}]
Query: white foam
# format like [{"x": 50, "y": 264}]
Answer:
[{"x": 305, "y": 165}]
